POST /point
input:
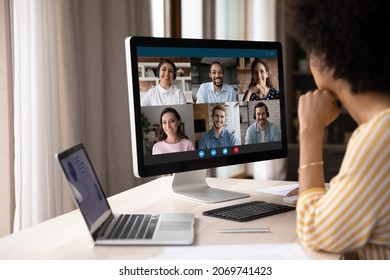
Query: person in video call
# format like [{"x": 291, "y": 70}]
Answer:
[
  {"x": 260, "y": 87},
  {"x": 217, "y": 136},
  {"x": 164, "y": 93},
  {"x": 262, "y": 130},
  {"x": 171, "y": 137},
  {"x": 349, "y": 58},
  {"x": 216, "y": 91}
]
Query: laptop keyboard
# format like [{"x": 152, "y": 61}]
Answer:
[
  {"x": 248, "y": 211},
  {"x": 137, "y": 226}
]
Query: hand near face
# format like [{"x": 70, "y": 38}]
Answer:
[
  {"x": 260, "y": 89},
  {"x": 317, "y": 109},
  {"x": 257, "y": 89}
]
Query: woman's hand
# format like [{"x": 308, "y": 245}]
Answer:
[
  {"x": 317, "y": 109},
  {"x": 293, "y": 192},
  {"x": 260, "y": 90}
]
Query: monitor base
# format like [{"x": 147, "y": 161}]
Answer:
[{"x": 192, "y": 185}]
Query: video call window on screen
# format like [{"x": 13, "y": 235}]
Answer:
[
  {"x": 196, "y": 104},
  {"x": 179, "y": 102}
]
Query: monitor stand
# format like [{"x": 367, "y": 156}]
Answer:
[{"x": 193, "y": 185}]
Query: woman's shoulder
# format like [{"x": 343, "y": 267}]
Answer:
[
  {"x": 378, "y": 122},
  {"x": 371, "y": 134},
  {"x": 158, "y": 147},
  {"x": 160, "y": 143},
  {"x": 153, "y": 90},
  {"x": 186, "y": 145},
  {"x": 185, "y": 141},
  {"x": 176, "y": 89},
  {"x": 273, "y": 94},
  {"x": 254, "y": 97}
]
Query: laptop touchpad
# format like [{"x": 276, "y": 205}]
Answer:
[{"x": 174, "y": 226}]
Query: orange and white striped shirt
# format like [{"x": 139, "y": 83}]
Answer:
[{"x": 354, "y": 215}]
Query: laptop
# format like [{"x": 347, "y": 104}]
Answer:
[{"x": 107, "y": 228}]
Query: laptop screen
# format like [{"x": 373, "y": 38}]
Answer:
[{"x": 85, "y": 186}]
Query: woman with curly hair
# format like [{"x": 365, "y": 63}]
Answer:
[{"x": 348, "y": 50}]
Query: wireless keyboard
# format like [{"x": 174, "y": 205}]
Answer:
[{"x": 248, "y": 211}]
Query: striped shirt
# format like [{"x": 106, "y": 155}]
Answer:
[{"x": 354, "y": 215}]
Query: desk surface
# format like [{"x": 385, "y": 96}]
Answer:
[{"x": 67, "y": 237}]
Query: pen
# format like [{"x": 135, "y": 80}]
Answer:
[{"x": 244, "y": 230}]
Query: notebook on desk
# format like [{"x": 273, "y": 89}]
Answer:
[{"x": 107, "y": 228}]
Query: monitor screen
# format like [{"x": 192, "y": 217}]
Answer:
[{"x": 197, "y": 104}]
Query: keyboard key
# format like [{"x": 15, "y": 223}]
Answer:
[
  {"x": 152, "y": 227},
  {"x": 119, "y": 226},
  {"x": 137, "y": 224},
  {"x": 143, "y": 227}
]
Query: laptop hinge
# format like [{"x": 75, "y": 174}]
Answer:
[{"x": 102, "y": 229}]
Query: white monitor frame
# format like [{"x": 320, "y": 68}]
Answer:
[{"x": 183, "y": 163}]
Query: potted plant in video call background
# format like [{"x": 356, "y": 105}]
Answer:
[{"x": 149, "y": 135}]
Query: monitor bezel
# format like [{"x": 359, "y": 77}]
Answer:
[{"x": 139, "y": 167}]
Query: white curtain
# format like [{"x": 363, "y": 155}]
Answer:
[
  {"x": 230, "y": 19},
  {"x": 191, "y": 19},
  {"x": 70, "y": 86},
  {"x": 36, "y": 122},
  {"x": 261, "y": 26},
  {"x": 262, "y": 18},
  {"x": 250, "y": 20}
]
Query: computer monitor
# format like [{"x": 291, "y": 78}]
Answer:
[{"x": 189, "y": 111}]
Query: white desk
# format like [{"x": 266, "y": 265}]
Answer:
[{"x": 67, "y": 237}]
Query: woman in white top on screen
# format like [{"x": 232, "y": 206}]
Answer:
[
  {"x": 164, "y": 93},
  {"x": 171, "y": 136}
]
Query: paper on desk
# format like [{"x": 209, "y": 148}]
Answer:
[
  {"x": 279, "y": 190},
  {"x": 288, "y": 251}
]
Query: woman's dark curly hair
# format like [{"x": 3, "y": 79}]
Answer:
[{"x": 351, "y": 35}]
